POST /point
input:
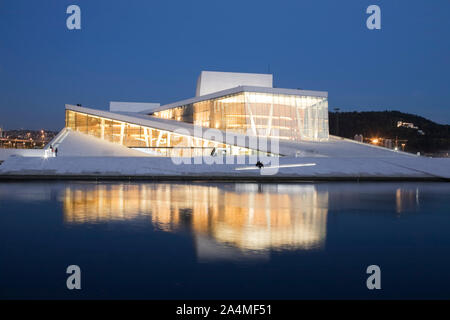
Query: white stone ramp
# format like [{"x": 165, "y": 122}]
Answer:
[
  {"x": 86, "y": 156},
  {"x": 76, "y": 144},
  {"x": 337, "y": 147},
  {"x": 153, "y": 167}
]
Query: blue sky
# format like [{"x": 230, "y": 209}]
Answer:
[{"x": 153, "y": 51}]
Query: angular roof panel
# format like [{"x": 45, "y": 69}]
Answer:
[{"x": 239, "y": 89}]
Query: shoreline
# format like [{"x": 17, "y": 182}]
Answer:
[
  {"x": 224, "y": 178},
  {"x": 285, "y": 169}
]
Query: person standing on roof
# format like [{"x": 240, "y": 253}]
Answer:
[{"x": 259, "y": 164}]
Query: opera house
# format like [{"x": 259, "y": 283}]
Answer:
[
  {"x": 234, "y": 119},
  {"x": 240, "y": 103}
]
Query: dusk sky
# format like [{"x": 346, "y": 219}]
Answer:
[{"x": 153, "y": 51}]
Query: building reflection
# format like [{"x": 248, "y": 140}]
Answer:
[
  {"x": 247, "y": 217},
  {"x": 231, "y": 220},
  {"x": 406, "y": 199}
]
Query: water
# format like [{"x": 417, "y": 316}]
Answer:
[{"x": 225, "y": 240}]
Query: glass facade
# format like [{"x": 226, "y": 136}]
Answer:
[
  {"x": 287, "y": 117},
  {"x": 151, "y": 140}
]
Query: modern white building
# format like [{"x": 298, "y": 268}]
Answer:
[
  {"x": 213, "y": 81},
  {"x": 232, "y": 117},
  {"x": 234, "y": 104}
]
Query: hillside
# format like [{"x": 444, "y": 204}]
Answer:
[{"x": 383, "y": 124}]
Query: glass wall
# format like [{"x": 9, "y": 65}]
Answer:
[
  {"x": 150, "y": 140},
  {"x": 286, "y": 117}
]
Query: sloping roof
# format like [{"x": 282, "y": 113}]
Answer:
[
  {"x": 334, "y": 147},
  {"x": 238, "y": 89},
  {"x": 77, "y": 144},
  {"x": 118, "y": 106},
  {"x": 182, "y": 128}
]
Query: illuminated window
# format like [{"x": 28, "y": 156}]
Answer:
[
  {"x": 151, "y": 140},
  {"x": 287, "y": 117}
]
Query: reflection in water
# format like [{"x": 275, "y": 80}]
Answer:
[
  {"x": 263, "y": 229},
  {"x": 247, "y": 216},
  {"x": 99, "y": 203},
  {"x": 406, "y": 199},
  {"x": 231, "y": 220}
]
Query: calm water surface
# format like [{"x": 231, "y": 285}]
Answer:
[{"x": 227, "y": 240}]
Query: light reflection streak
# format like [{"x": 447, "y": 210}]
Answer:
[
  {"x": 240, "y": 216},
  {"x": 234, "y": 220}
]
